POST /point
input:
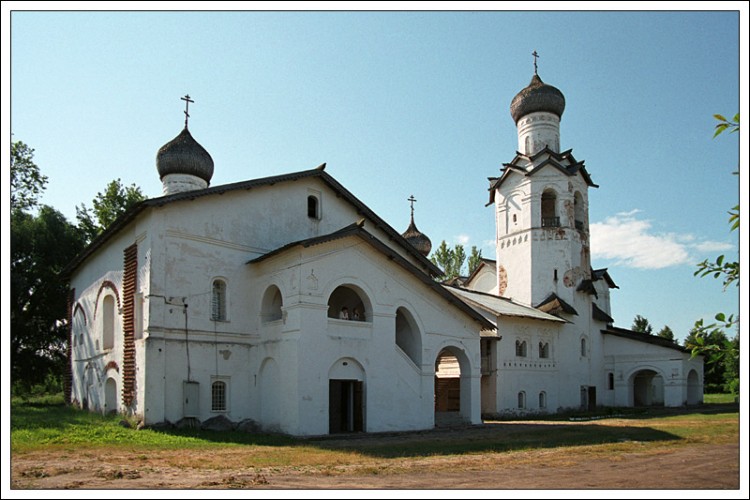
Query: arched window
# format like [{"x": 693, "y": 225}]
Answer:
[
  {"x": 542, "y": 399},
  {"x": 543, "y": 350},
  {"x": 407, "y": 335},
  {"x": 272, "y": 303},
  {"x": 578, "y": 210},
  {"x": 521, "y": 400},
  {"x": 549, "y": 209},
  {"x": 313, "y": 207},
  {"x": 611, "y": 381},
  {"x": 219, "y": 396},
  {"x": 349, "y": 302},
  {"x": 108, "y": 322},
  {"x": 583, "y": 347},
  {"x": 521, "y": 348},
  {"x": 219, "y": 301}
]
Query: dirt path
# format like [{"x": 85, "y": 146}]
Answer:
[{"x": 685, "y": 467}]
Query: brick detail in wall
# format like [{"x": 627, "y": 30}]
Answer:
[
  {"x": 128, "y": 324},
  {"x": 68, "y": 379}
]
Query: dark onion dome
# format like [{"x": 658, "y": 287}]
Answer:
[
  {"x": 418, "y": 240},
  {"x": 183, "y": 155},
  {"x": 538, "y": 96}
]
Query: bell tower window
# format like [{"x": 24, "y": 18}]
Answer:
[
  {"x": 549, "y": 209},
  {"x": 578, "y": 210}
]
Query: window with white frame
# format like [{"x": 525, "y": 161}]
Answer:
[
  {"x": 219, "y": 301},
  {"x": 219, "y": 395}
]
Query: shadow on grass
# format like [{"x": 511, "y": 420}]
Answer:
[{"x": 497, "y": 436}]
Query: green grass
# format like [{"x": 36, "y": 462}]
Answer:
[
  {"x": 39, "y": 424},
  {"x": 718, "y": 398}
]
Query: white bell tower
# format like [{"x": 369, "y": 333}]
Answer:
[{"x": 541, "y": 208}]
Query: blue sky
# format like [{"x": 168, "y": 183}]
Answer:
[{"x": 408, "y": 102}]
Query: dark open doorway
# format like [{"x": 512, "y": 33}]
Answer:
[{"x": 345, "y": 406}]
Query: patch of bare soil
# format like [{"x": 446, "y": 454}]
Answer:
[{"x": 680, "y": 467}]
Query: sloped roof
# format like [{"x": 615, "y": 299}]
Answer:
[
  {"x": 599, "y": 274},
  {"x": 357, "y": 230},
  {"x": 482, "y": 263},
  {"x": 553, "y": 159},
  {"x": 643, "y": 337},
  {"x": 554, "y": 304},
  {"x": 500, "y": 306},
  {"x": 318, "y": 172},
  {"x": 599, "y": 315}
]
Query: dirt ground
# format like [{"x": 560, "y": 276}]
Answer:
[{"x": 676, "y": 467}]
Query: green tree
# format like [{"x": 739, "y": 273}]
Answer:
[
  {"x": 26, "y": 181},
  {"x": 474, "y": 259},
  {"x": 666, "y": 333},
  {"x": 41, "y": 245},
  {"x": 451, "y": 260},
  {"x": 713, "y": 340},
  {"x": 107, "y": 207},
  {"x": 641, "y": 324},
  {"x": 442, "y": 257},
  {"x": 704, "y": 341}
]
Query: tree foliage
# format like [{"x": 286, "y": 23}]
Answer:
[
  {"x": 451, "y": 260},
  {"x": 26, "y": 181},
  {"x": 641, "y": 324},
  {"x": 704, "y": 339},
  {"x": 666, "y": 333},
  {"x": 41, "y": 245},
  {"x": 107, "y": 207}
]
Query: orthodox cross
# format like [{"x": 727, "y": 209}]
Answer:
[
  {"x": 535, "y": 58},
  {"x": 411, "y": 200},
  {"x": 187, "y": 103}
]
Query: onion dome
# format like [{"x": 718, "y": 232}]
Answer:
[
  {"x": 538, "y": 96},
  {"x": 183, "y": 155},
  {"x": 417, "y": 239}
]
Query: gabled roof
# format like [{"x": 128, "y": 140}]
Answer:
[
  {"x": 318, "y": 172},
  {"x": 599, "y": 315},
  {"x": 602, "y": 274},
  {"x": 482, "y": 263},
  {"x": 643, "y": 337},
  {"x": 357, "y": 230},
  {"x": 500, "y": 306},
  {"x": 553, "y": 159},
  {"x": 555, "y": 305}
]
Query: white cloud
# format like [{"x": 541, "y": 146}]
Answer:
[
  {"x": 712, "y": 246},
  {"x": 463, "y": 239},
  {"x": 631, "y": 242}
]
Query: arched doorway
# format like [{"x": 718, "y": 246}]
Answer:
[
  {"x": 647, "y": 388},
  {"x": 346, "y": 380},
  {"x": 694, "y": 391},
  {"x": 452, "y": 388},
  {"x": 110, "y": 396}
]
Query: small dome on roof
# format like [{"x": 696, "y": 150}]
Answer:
[
  {"x": 417, "y": 239},
  {"x": 183, "y": 155},
  {"x": 537, "y": 96}
]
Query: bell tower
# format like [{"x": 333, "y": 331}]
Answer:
[{"x": 541, "y": 207}]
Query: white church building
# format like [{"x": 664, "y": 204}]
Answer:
[{"x": 286, "y": 302}]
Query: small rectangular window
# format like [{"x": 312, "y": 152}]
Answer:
[
  {"x": 611, "y": 381},
  {"x": 219, "y": 396}
]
